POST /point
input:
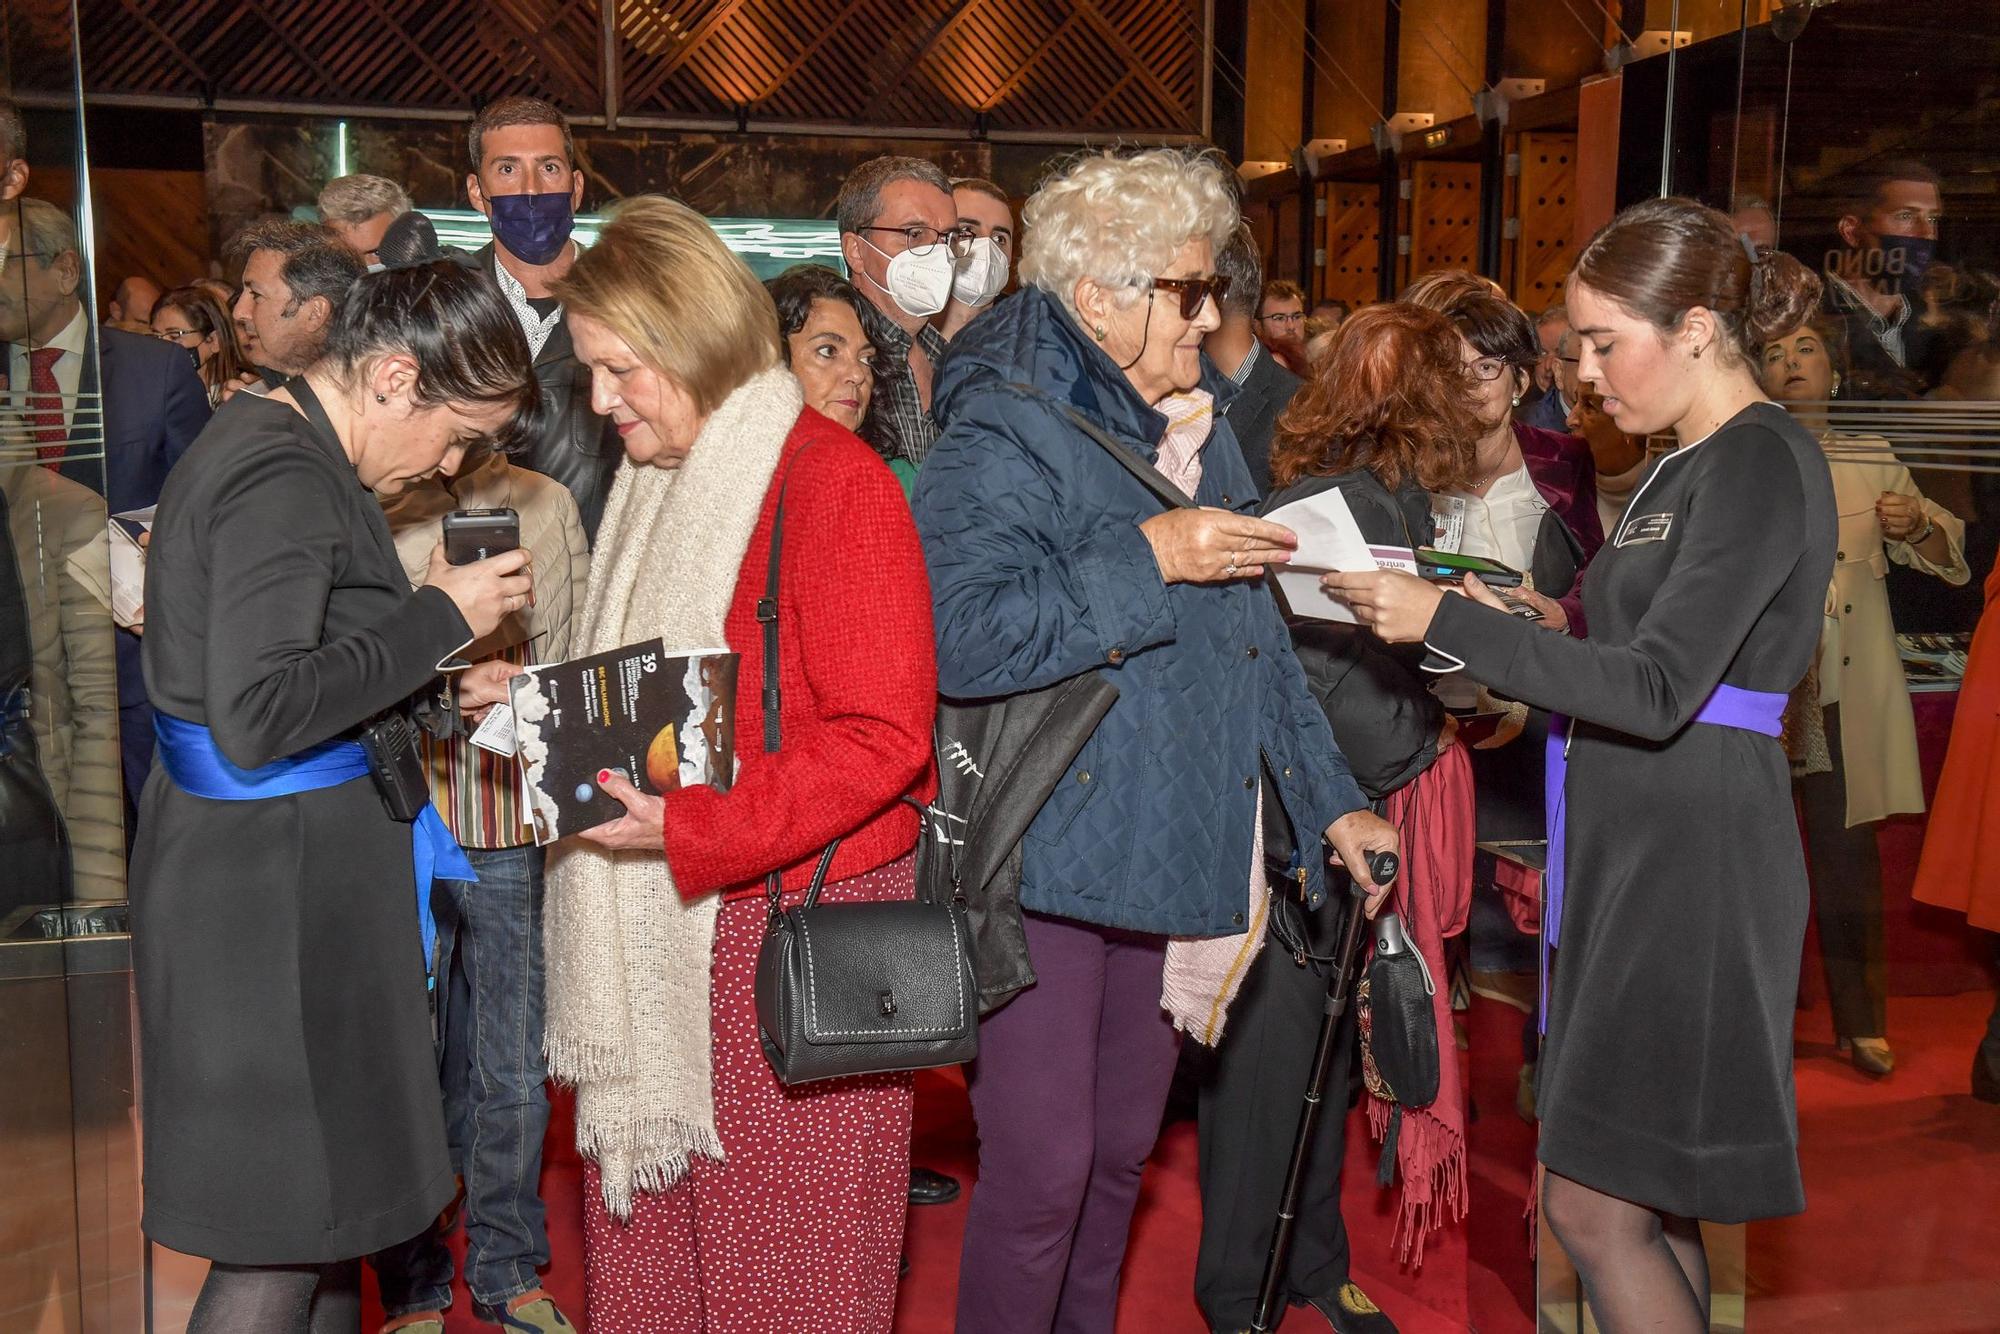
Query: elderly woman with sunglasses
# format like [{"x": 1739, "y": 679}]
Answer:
[{"x": 1049, "y": 559}]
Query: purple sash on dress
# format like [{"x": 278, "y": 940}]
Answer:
[{"x": 1747, "y": 710}]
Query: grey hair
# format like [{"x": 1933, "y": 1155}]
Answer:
[
  {"x": 359, "y": 197},
  {"x": 46, "y": 231},
  {"x": 861, "y": 193},
  {"x": 1119, "y": 218},
  {"x": 1241, "y": 263},
  {"x": 1549, "y": 316}
]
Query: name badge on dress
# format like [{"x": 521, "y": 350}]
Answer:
[{"x": 1645, "y": 528}]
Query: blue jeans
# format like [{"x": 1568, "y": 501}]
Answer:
[{"x": 492, "y": 1072}]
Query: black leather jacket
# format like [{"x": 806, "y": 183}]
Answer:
[
  {"x": 577, "y": 447},
  {"x": 1376, "y": 697}
]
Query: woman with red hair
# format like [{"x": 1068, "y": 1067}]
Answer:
[{"x": 1387, "y": 417}]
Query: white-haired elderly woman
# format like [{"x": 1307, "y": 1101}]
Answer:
[{"x": 1047, "y": 560}]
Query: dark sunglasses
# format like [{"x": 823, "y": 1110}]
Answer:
[{"x": 1194, "y": 291}]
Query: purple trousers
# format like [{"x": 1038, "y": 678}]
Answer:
[{"x": 1068, "y": 1090}]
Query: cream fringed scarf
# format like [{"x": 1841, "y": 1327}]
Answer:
[{"x": 628, "y": 958}]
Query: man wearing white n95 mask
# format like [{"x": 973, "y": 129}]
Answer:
[
  {"x": 984, "y": 211},
  {"x": 901, "y": 238}
]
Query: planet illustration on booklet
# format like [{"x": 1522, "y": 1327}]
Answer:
[
  {"x": 663, "y": 761},
  {"x": 663, "y": 719}
]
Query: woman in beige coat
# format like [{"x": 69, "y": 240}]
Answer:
[{"x": 1854, "y": 737}]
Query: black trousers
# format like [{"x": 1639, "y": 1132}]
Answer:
[
  {"x": 1253, "y": 1087},
  {"x": 1847, "y": 896}
]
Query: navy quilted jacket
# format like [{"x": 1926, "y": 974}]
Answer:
[{"x": 1039, "y": 572}]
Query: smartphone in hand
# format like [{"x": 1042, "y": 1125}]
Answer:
[{"x": 471, "y": 535}]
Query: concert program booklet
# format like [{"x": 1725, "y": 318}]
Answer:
[{"x": 665, "y": 720}]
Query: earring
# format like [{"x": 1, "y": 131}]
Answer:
[
  {"x": 1836, "y": 386},
  {"x": 1697, "y": 353},
  {"x": 381, "y": 398},
  {"x": 1099, "y": 333},
  {"x": 1517, "y": 400}
]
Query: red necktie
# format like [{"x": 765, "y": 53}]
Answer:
[{"x": 45, "y": 407}]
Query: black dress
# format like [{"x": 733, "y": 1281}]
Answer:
[
  {"x": 1666, "y": 1076},
  {"x": 290, "y": 1095}
]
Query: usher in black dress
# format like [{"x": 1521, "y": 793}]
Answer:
[
  {"x": 291, "y": 1099},
  {"x": 1666, "y": 1076}
]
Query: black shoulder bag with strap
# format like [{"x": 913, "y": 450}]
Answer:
[{"x": 855, "y": 988}]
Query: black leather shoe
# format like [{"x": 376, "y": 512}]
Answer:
[
  {"x": 1349, "y": 1311},
  {"x": 928, "y": 1187}
]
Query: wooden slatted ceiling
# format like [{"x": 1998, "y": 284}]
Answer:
[
  {"x": 1106, "y": 65},
  {"x": 368, "y": 52}
]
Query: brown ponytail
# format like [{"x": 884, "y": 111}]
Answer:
[{"x": 1661, "y": 258}]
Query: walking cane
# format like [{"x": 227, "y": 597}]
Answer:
[{"x": 1382, "y": 868}]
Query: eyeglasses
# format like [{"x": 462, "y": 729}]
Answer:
[
  {"x": 175, "y": 335},
  {"x": 919, "y": 238},
  {"x": 1193, "y": 292},
  {"x": 1487, "y": 369},
  {"x": 1285, "y": 317}
]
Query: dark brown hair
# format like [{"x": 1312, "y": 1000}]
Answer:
[
  {"x": 1279, "y": 289},
  {"x": 1664, "y": 257},
  {"x": 1390, "y": 396},
  {"x": 1439, "y": 288},
  {"x": 511, "y": 111},
  {"x": 1495, "y": 326},
  {"x": 208, "y": 317},
  {"x": 1863, "y": 189}
]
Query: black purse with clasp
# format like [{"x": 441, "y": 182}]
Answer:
[{"x": 856, "y": 988}]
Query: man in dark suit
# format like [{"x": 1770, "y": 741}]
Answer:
[
  {"x": 524, "y": 179},
  {"x": 1263, "y": 386},
  {"x": 116, "y": 424}
]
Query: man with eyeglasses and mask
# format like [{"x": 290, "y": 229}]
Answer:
[
  {"x": 907, "y": 252},
  {"x": 904, "y": 246}
]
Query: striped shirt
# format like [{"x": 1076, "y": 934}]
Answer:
[{"x": 476, "y": 791}]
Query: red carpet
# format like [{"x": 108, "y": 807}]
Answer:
[{"x": 1901, "y": 1233}]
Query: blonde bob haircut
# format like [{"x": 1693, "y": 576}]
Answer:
[
  {"x": 1119, "y": 218},
  {"x": 662, "y": 280}
]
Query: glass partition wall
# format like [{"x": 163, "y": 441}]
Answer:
[{"x": 69, "y": 1211}]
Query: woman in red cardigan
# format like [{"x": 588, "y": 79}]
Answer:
[{"x": 716, "y": 1198}]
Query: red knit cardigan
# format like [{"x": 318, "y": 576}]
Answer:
[{"x": 858, "y": 672}]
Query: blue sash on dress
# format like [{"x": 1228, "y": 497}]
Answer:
[
  {"x": 198, "y": 767},
  {"x": 1749, "y": 710}
]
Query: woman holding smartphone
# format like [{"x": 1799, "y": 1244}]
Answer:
[
  {"x": 1666, "y": 1076},
  {"x": 280, "y": 919}
]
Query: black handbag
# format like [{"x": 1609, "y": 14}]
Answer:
[
  {"x": 1398, "y": 1027},
  {"x": 856, "y": 988}
]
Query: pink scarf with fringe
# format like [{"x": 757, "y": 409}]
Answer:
[{"x": 1433, "y": 897}]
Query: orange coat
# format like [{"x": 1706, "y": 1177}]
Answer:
[{"x": 1960, "y": 869}]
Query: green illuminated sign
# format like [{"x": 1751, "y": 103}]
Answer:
[{"x": 768, "y": 245}]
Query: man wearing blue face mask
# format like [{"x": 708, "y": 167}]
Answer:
[
  {"x": 524, "y": 179},
  {"x": 1874, "y": 279},
  {"x": 904, "y": 247}
]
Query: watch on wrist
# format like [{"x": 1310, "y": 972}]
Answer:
[{"x": 1918, "y": 539}]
